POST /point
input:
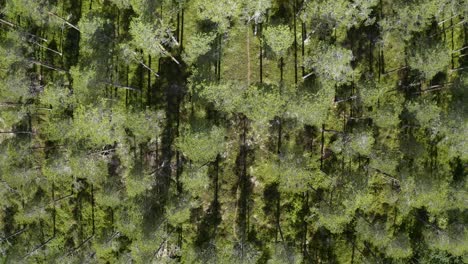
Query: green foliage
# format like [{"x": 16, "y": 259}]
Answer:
[
  {"x": 36, "y": 10},
  {"x": 279, "y": 38},
  {"x": 256, "y": 10},
  {"x": 197, "y": 46},
  {"x": 387, "y": 113},
  {"x": 144, "y": 125},
  {"x": 340, "y": 13},
  {"x": 226, "y": 97},
  {"x": 429, "y": 60},
  {"x": 331, "y": 63},
  {"x": 219, "y": 12},
  {"x": 427, "y": 114},
  {"x": 262, "y": 106},
  {"x": 146, "y": 131},
  {"x": 357, "y": 143},
  {"x": 149, "y": 37},
  {"x": 202, "y": 147},
  {"x": 122, "y": 4},
  {"x": 95, "y": 126},
  {"x": 312, "y": 109}
]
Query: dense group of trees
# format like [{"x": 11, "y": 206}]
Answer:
[{"x": 233, "y": 131}]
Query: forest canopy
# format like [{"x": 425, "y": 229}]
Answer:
[{"x": 233, "y": 131}]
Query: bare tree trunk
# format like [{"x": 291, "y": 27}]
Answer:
[
  {"x": 149, "y": 92},
  {"x": 92, "y": 209},
  {"x": 371, "y": 57},
  {"x": 304, "y": 223},
  {"x": 219, "y": 57},
  {"x": 303, "y": 47},
  {"x": 178, "y": 25},
  {"x": 281, "y": 73},
  {"x": 295, "y": 43},
  {"x": 181, "y": 41},
  {"x": 126, "y": 90},
  {"x": 322, "y": 146},
  {"x": 453, "y": 45},
  {"x": 248, "y": 55},
  {"x": 261, "y": 52}
]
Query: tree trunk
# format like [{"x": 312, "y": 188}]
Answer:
[
  {"x": 178, "y": 158},
  {"x": 322, "y": 145},
  {"x": 243, "y": 179},
  {"x": 216, "y": 178},
  {"x": 304, "y": 223},
  {"x": 453, "y": 46},
  {"x": 278, "y": 208},
  {"x": 380, "y": 62},
  {"x": 281, "y": 73},
  {"x": 92, "y": 209},
  {"x": 181, "y": 41},
  {"x": 248, "y": 55},
  {"x": 126, "y": 90},
  {"x": 219, "y": 57},
  {"x": 149, "y": 92},
  {"x": 261, "y": 52},
  {"x": 178, "y": 25},
  {"x": 54, "y": 212},
  {"x": 303, "y": 47},
  {"x": 295, "y": 43},
  {"x": 371, "y": 57},
  {"x": 280, "y": 131}
]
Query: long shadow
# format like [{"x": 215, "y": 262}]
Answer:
[
  {"x": 212, "y": 218},
  {"x": 244, "y": 185},
  {"x": 173, "y": 79}
]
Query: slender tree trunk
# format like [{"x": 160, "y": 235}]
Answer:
[
  {"x": 371, "y": 57},
  {"x": 92, "y": 208},
  {"x": 141, "y": 82},
  {"x": 278, "y": 151},
  {"x": 303, "y": 47},
  {"x": 216, "y": 68},
  {"x": 126, "y": 90},
  {"x": 178, "y": 158},
  {"x": 244, "y": 181},
  {"x": 219, "y": 57},
  {"x": 261, "y": 52},
  {"x": 382, "y": 60},
  {"x": 54, "y": 212},
  {"x": 248, "y": 55},
  {"x": 179, "y": 169},
  {"x": 322, "y": 145},
  {"x": 280, "y": 131},
  {"x": 444, "y": 37},
  {"x": 181, "y": 41},
  {"x": 149, "y": 92},
  {"x": 178, "y": 25},
  {"x": 304, "y": 223},
  {"x": 381, "y": 46},
  {"x": 278, "y": 208},
  {"x": 453, "y": 44},
  {"x": 295, "y": 43},
  {"x": 281, "y": 73},
  {"x": 216, "y": 178},
  {"x": 394, "y": 219},
  {"x": 80, "y": 217}
]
